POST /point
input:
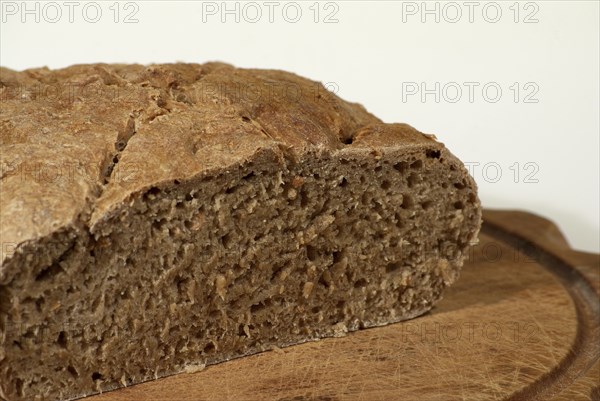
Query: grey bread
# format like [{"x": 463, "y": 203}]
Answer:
[{"x": 157, "y": 219}]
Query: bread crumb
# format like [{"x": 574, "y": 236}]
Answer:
[
  {"x": 297, "y": 181},
  {"x": 197, "y": 222},
  {"x": 445, "y": 270},
  {"x": 284, "y": 274},
  {"x": 307, "y": 289},
  {"x": 220, "y": 284},
  {"x": 340, "y": 330},
  {"x": 405, "y": 278},
  {"x": 194, "y": 368},
  {"x": 292, "y": 194},
  {"x": 276, "y": 349}
]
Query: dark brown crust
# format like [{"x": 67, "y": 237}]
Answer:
[{"x": 76, "y": 141}]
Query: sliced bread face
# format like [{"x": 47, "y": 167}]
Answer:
[{"x": 208, "y": 217}]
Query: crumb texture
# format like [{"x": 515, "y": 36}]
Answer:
[{"x": 159, "y": 219}]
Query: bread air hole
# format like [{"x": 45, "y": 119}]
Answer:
[
  {"x": 97, "y": 376},
  {"x": 242, "y": 330},
  {"x": 151, "y": 193},
  {"x": 256, "y": 308},
  {"x": 417, "y": 164},
  {"x": 19, "y": 387},
  {"x": 276, "y": 272},
  {"x": 303, "y": 199},
  {"x": 407, "y": 202},
  {"x": 73, "y": 371},
  {"x": 226, "y": 240},
  {"x": 426, "y": 205},
  {"x": 413, "y": 179},
  {"x": 209, "y": 348},
  {"x": 360, "y": 283},
  {"x": 62, "y": 339},
  {"x": 392, "y": 267},
  {"x": 402, "y": 167},
  {"x": 49, "y": 272},
  {"x": 325, "y": 279},
  {"x": 433, "y": 154}
]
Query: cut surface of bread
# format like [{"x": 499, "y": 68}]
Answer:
[{"x": 157, "y": 219}]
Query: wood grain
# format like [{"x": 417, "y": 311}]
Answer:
[{"x": 522, "y": 323}]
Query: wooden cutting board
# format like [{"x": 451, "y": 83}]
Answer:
[{"x": 522, "y": 323}]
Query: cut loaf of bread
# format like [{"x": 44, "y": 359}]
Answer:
[{"x": 158, "y": 219}]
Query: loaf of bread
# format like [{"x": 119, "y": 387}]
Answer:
[{"x": 157, "y": 219}]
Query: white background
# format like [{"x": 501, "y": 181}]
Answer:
[{"x": 379, "y": 53}]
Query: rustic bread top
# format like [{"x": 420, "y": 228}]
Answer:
[{"x": 78, "y": 141}]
